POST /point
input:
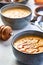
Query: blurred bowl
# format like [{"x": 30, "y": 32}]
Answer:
[
  {"x": 39, "y": 11},
  {"x": 13, "y": 1},
  {"x": 30, "y": 59},
  {"x": 2, "y": 3},
  {"x": 22, "y": 1},
  {"x": 16, "y": 23}
]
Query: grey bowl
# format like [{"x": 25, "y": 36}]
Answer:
[
  {"x": 15, "y": 23},
  {"x": 28, "y": 59}
]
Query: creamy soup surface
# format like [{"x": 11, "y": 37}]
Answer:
[
  {"x": 29, "y": 44},
  {"x": 16, "y": 12}
]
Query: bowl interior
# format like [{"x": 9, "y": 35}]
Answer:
[
  {"x": 39, "y": 11},
  {"x": 10, "y": 6},
  {"x": 26, "y": 33}
]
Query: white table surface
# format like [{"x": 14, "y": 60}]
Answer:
[{"x": 6, "y": 54}]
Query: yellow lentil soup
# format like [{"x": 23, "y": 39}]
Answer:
[
  {"x": 16, "y": 12},
  {"x": 29, "y": 44}
]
